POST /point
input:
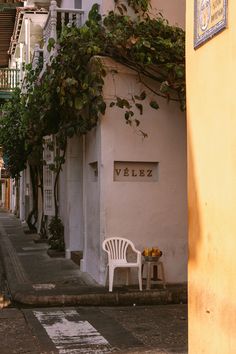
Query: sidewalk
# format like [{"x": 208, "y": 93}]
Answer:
[{"x": 35, "y": 279}]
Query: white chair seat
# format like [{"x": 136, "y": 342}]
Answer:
[
  {"x": 124, "y": 265},
  {"x": 116, "y": 249}
]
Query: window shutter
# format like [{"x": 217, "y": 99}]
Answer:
[{"x": 48, "y": 179}]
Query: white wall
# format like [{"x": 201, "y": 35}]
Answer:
[
  {"x": 67, "y": 4},
  {"x": 71, "y": 196},
  {"x": 148, "y": 213},
  {"x": 86, "y": 4},
  {"x": 22, "y": 196},
  {"x": 92, "y": 205},
  {"x": 173, "y": 10},
  {"x": 3, "y": 193},
  {"x": 12, "y": 195}
]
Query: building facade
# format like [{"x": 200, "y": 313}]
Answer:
[
  {"x": 114, "y": 182},
  {"x": 211, "y": 177}
]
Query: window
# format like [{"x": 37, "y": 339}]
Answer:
[
  {"x": 48, "y": 191},
  {"x": 48, "y": 177}
]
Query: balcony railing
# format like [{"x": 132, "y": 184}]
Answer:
[
  {"x": 9, "y": 79},
  {"x": 57, "y": 19}
]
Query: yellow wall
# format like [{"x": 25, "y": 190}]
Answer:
[{"x": 211, "y": 111}]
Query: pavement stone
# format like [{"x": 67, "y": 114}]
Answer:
[
  {"x": 15, "y": 334},
  {"x": 36, "y": 279}
]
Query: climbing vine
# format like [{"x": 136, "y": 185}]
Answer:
[
  {"x": 151, "y": 47},
  {"x": 67, "y": 99}
]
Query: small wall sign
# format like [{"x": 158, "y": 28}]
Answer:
[
  {"x": 129, "y": 171},
  {"x": 210, "y": 17}
]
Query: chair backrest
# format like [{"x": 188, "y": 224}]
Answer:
[{"x": 116, "y": 247}]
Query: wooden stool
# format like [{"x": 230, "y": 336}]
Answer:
[{"x": 154, "y": 265}]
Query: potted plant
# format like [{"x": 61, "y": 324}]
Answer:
[{"x": 56, "y": 237}]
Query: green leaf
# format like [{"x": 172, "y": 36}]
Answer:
[
  {"x": 51, "y": 43},
  {"x": 78, "y": 103},
  {"x": 121, "y": 103},
  {"x": 70, "y": 132},
  {"x": 140, "y": 107},
  {"x": 179, "y": 72},
  {"x": 147, "y": 44},
  {"x": 141, "y": 97},
  {"x": 102, "y": 107},
  {"x": 69, "y": 94},
  {"x": 164, "y": 88},
  {"x": 127, "y": 115},
  {"x": 154, "y": 105}
]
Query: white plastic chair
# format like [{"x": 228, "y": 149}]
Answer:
[{"x": 116, "y": 248}]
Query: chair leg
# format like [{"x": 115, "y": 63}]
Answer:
[
  {"x": 111, "y": 277},
  {"x": 140, "y": 278},
  {"x": 105, "y": 277}
]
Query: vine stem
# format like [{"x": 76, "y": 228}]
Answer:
[
  {"x": 145, "y": 73},
  {"x": 157, "y": 93}
]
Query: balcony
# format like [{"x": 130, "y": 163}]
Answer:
[
  {"x": 57, "y": 19},
  {"x": 9, "y": 79}
]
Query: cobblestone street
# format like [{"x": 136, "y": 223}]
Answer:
[
  {"x": 155, "y": 326},
  {"x": 4, "y": 291},
  {"x": 15, "y": 334},
  {"x": 155, "y": 329}
]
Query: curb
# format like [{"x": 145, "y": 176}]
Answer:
[
  {"x": 151, "y": 297},
  {"x": 22, "y": 291}
]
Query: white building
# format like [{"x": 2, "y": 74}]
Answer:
[{"x": 115, "y": 182}]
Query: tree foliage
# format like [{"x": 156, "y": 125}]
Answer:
[
  {"x": 68, "y": 98},
  {"x": 12, "y": 138}
]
